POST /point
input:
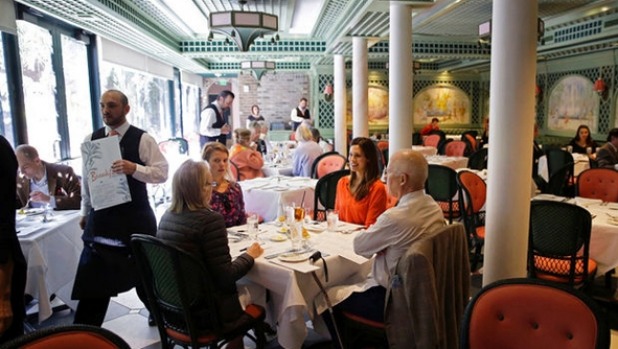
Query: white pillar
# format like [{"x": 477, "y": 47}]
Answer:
[
  {"x": 511, "y": 110},
  {"x": 360, "y": 83},
  {"x": 400, "y": 78},
  {"x": 340, "y": 97}
]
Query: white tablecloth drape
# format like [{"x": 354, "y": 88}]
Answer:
[
  {"x": 265, "y": 196},
  {"x": 427, "y": 151},
  {"x": 52, "y": 251},
  {"x": 291, "y": 285},
  {"x": 581, "y": 163}
]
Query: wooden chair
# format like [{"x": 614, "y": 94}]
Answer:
[
  {"x": 183, "y": 299},
  {"x": 69, "y": 337},
  {"x": 598, "y": 183},
  {"x": 472, "y": 199},
  {"x": 529, "y": 313},
  {"x": 558, "y": 243}
]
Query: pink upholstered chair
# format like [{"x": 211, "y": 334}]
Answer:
[{"x": 327, "y": 163}]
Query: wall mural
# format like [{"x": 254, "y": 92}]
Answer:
[
  {"x": 573, "y": 102},
  {"x": 378, "y": 106},
  {"x": 448, "y": 103}
]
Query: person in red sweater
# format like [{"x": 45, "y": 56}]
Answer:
[
  {"x": 361, "y": 196},
  {"x": 433, "y": 126}
]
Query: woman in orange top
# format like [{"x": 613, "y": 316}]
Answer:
[
  {"x": 361, "y": 196},
  {"x": 243, "y": 154}
]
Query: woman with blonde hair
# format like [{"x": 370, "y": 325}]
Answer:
[
  {"x": 361, "y": 196},
  {"x": 227, "y": 196},
  {"x": 191, "y": 225},
  {"x": 306, "y": 152},
  {"x": 248, "y": 160}
]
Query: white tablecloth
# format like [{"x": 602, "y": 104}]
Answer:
[
  {"x": 52, "y": 251},
  {"x": 264, "y": 196},
  {"x": 454, "y": 162},
  {"x": 604, "y": 235},
  {"x": 581, "y": 163},
  {"x": 279, "y": 169},
  {"x": 292, "y": 287},
  {"x": 427, "y": 151}
]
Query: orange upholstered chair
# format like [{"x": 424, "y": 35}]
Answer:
[
  {"x": 598, "y": 183},
  {"x": 432, "y": 141},
  {"x": 455, "y": 148},
  {"x": 69, "y": 337},
  {"x": 529, "y": 313},
  {"x": 472, "y": 199},
  {"x": 327, "y": 163},
  {"x": 558, "y": 243}
]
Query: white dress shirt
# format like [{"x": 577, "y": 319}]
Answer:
[
  {"x": 395, "y": 231},
  {"x": 207, "y": 118},
  {"x": 154, "y": 171},
  {"x": 294, "y": 116}
]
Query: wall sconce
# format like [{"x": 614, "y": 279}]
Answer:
[
  {"x": 599, "y": 87},
  {"x": 328, "y": 92}
]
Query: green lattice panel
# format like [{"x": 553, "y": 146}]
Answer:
[{"x": 326, "y": 110}]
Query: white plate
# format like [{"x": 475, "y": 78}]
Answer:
[
  {"x": 316, "y": 228},
  {"x": 293, "y": 257},
  {"x": 31, "y": 211},
  {"x": 278, "y": 238}
]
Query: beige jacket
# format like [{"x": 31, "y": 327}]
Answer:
[{"x": 427, "y": 296}]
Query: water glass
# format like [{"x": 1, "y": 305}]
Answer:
[
  {"x": 296, "y": 236},
  {"x": 253, "y": 226},
  {"x": 332, "y": 220},
  {"x": 569, "y": 148},
  {"x": 589, "y": 150}
]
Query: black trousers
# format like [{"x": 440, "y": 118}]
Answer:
[{"x": 91, "y": 311}]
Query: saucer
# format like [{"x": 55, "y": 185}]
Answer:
[
  {"x": 278, "y": 238},
  {"x": 293, "y": 257}
]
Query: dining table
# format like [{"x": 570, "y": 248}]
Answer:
[
  {"x": 288, "y": 277},
  {"x": 52, "y": 245},
  {"x": 425, "y": 150},
  {"x": 454, "y": 162},
  {"x": 581, "y": 162},
  {"x": 266, "y": 196}
]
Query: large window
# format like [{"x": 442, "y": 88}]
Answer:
[
  {"x": 39, "y": 87},
  {"x": 191, "y": 117},
  {"x": 148, "y": 96},
  {"x": 77, "y": 90},
  {"x": 6, "y": 126}
]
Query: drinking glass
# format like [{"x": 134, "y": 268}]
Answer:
[
  {"x": 296, "y": 236},
  {"x": 332, "y": 219},
  {"x": 588, "y": 150},
  {"x": 569, "y": 148},
  {"x": 253, "y": 226}
]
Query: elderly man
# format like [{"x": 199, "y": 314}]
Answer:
[
  {"x": 106, "y": 266},
  {"x": 42, "y": 183},
  {"x": 394, "y": 232},
  {"x": 607, "y": 155}
]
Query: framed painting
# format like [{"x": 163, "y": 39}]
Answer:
[
  {"x": 448, "y": 103},
  {"x": 378, "y": 106},
  {"x": 573, "y": 102}
]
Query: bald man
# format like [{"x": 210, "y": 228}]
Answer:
[
  {"x": 40, "y": 183},
  {"x": 394, "y": 232}
]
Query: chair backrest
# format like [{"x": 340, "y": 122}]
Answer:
[
  {"x": 559, "y": 181},
  {"x": 472, "y": 197},
  {"x": 69, "y": 337},
  {"x": 478, "y": 159},
  {"x": 470, "y": 138},
  {"x": 174, "y": 146},
  {"x": 417, "y": 139},
  {"x": 529, "y": 313},
  {"x": 558, "y": 241},
  {"x": 441, "y": 182},
  {"x": 556, "y": 159},
  {"x": 455, "y": 148},
  {"x": 427, "y": 309},
  {"x": 598, "y": 183},
  {"x": 179, "y": 289},
  {"x": 432, "y": 141},
  {"x": 326, "y": 192},
  {"x": 327, "y": 163}
]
